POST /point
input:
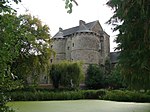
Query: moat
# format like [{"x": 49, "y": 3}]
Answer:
[{"x": 79, "y": 106}]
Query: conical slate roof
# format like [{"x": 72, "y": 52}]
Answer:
[
  {"x": 59, "y": 35},
  {"x": 83, "y": 28}
]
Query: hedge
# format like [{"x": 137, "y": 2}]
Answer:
[{"x": 113, "y": 95}]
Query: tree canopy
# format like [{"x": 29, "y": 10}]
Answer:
[
  {"x": 5, "y": 5},
  {"x": 8, "y": 51},
  {"x": 133, "y": 39},
  {"x": 24, "y": 49},
  {"x": 35, "y": 52}
]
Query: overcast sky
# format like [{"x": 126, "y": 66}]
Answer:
[{"x": 53, "y": 13}]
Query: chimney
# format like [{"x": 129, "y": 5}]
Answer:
[
  {"x": 81, "y": 22},
  {"x": 60, "y": 29}
]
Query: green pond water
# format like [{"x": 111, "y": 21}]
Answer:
[{"x": 79, "y": 106}]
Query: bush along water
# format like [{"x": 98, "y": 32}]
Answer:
[
  {"x": 126, "y": 96},
  {"x": 102, "y": 94}
]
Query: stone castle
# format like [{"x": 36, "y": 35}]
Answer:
[{"x": 87, "y": 42}]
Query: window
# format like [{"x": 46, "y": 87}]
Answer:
[
  {"x": 100, "y": 46},
  {"x": 73, "y": 45},
  {"x": 51, "y": 46},
  {"x": 68, "y": 48}
]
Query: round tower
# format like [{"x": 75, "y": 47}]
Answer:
[
  {"x": 58, "y": 45},
  {"x": 85, "y": 47}
]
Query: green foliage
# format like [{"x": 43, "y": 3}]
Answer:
[
  {"x": 71, "y": 74},
  {"x": 55, "y": 74},
  {"x": 98, "y": 77},
  {"x": 69, "y": 5},
  {"x": 102, "y": 94},
  {"x": 126, "y": 96},
  {"x": 8, "y": 51},
  {"x": 34, "y": 53},
  {"x": 3, "y": 100},
  {"x": 66, "y": 74},
  {"x": 107, "y": 67},
  {"x": 9, "y": 48},
  {"x": 5, "y": 5},
  {"x": 16, "y": 41},
  {"x": 94, "y": 94},
  {"x": 56, "y": 95},
  {"x": 115, "y": 79},
  {"x": 133, "y": 40},
  {"x": 24, "y": 48},
  {"x": 46, "y": 95},
  {"x": 94, "y": 79}
]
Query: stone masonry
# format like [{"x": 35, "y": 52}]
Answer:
[{"x": 87, "y": 42}]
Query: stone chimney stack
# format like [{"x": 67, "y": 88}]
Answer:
[
  {"x": 60, "y": 29},
  {"x": 81, "y": 22}
]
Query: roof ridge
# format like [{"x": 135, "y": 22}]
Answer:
[
  {"x": 71, "y": 30},
  {"x": 79, "y": 25}
]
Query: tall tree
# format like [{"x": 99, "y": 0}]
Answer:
[
  {"x": 35, "y": 52},
  {"x": 133, "y": 39},
  {"x": 22, "y": 38},
  {"x": 5, "y": 5},
  {"x": 8, "y": 52},
  {"x": 9, "y": 35}
]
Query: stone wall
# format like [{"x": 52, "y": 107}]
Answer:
[
  {"x": 68, "y": 47},
  {"x": 85, "y": 48},
  {"x": 59, "y": 46},
  {"x": 106, "y": 46},
  {"x": 97, "y": 28}
]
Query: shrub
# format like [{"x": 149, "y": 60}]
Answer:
[
  {"x": 114, "y": 95},
  {"x": 55, "y": 75},
  {"x": 94, "y": 94},
  {"x": 126, "y": 96},
  {"x": 68, "y": 74},
  {"x": 90, "y": 94},
  {"x": 45, "y": 95},
  {"x": 114, "y": 80},
  {"x": 94, "y": 79},
  {"x": 72, "y": 75}
]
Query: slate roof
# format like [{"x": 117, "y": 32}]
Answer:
[
  {"x": 114, "y": 57},
  {"x": 83, "y": 28}
]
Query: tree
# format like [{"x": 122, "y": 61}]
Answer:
[
  {"x": 66, "y": 74},
  {"x": 114, "y": 79},
  {"x": 8, "y": 52},
  {"x": 94, "y": 78},
  {"x": 35, "y": 52},
  {"x": 71, "y": 75},
  {"x": 24, "y": 39},
  {"x": 133, "y": 40},
  {"x": 55, "y": 75},
  {"x": 5, "y": 5}
]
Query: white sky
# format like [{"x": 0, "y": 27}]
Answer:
[{"x": 54, "y": 14}]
